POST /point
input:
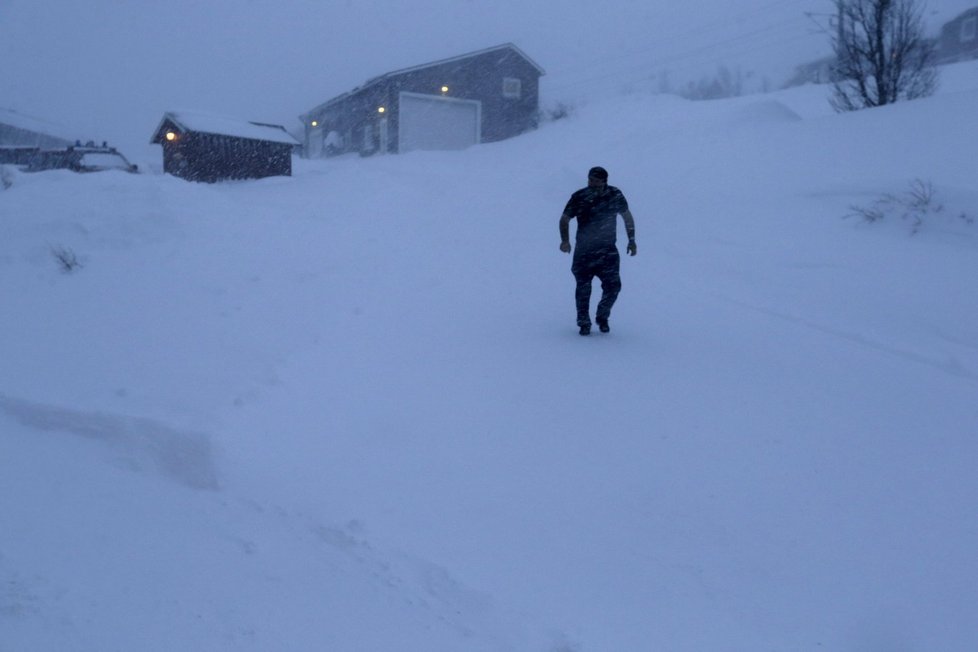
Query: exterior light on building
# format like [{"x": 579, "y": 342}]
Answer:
[
  {"x": 444, "y": 89},
  {"x": 315, "y": 123},
  {"x": 170, "y": 136},
  {"x": 381, "y": 109}
]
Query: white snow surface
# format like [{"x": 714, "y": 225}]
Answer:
[{"x": 350, "y": 410}]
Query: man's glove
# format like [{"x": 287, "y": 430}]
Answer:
[
  {"x": 565, "y": 247},
  {"x": 632, "y": 248}
]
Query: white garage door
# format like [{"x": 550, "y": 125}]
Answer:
[{"x": 434, "y": 122}]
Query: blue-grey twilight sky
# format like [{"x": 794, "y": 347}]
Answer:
[{"x": 107, "y": 69}]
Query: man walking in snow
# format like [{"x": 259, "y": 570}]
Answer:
[{"x": 596, "y": 208}]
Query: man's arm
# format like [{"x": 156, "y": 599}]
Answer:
[
  {"x": 630, "y": 231},
  {"x": 565, "y": 245}
]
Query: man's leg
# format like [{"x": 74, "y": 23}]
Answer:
[
  {"x": 582, "y": 295},
  {"x": 608, "y": 272},
  {"x": 583, "y": 298}
]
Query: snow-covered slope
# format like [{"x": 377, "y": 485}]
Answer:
[{"x": 350, "y": 409}]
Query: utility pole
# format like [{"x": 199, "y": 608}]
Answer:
[
  {"x": 839, "y": 30},
  {"x": 838, "y": 19}
]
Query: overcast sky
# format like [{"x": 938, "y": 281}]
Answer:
[{"x": 108, "y": 69}]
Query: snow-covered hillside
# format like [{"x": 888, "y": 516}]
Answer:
[{"x": 349, "y": 410}]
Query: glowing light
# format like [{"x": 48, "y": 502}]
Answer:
[
  {"x": 381, "y": 109},
  {"x": 444, "y": 89},
  {"x": 171, "y": 136},
  {"x": 315, "y": 123}
]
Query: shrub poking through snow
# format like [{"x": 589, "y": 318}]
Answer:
[
  {"x": 66, "y": 259},
  {"x": 558, "y": 111},
  {"x": 915, "y": 205}
]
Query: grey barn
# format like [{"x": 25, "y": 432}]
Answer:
[
  {"x": 959, "y": 38},
  {"x": 482, "y": 96}
]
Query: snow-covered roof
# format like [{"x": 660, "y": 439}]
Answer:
[
  {"x": 30, "y": 123},
  {"x": 402, "y": 71},
  {"x": 223, "y": 126},
  {"x": 504, "y": 46}
]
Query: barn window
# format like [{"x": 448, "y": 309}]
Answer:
[
  {"x": 512, "y": 87},
  {"x": 968, "y": 29}
]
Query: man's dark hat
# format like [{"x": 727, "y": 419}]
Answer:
[{"x": 598, "y": 173}]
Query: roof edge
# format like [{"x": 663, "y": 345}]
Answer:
[
  {"x": 394, "y": 73},
  {"x": 171, "y": 116},
  {"x": 431, "y": 64}
]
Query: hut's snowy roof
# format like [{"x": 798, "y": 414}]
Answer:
[{"x": 220, "y": 125}]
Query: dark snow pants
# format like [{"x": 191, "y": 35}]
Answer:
[{"x": 605, "y": 265}]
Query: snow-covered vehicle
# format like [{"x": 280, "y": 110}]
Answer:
[{"x": 80, "y": 158}]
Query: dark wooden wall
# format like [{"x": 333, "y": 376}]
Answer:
[{"x": 210, "y": 158}]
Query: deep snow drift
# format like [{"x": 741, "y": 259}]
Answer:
[{"x": 350, "y": 410}]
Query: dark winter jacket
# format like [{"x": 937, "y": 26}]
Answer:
[{"x": 596, "y": 210}]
